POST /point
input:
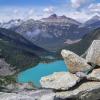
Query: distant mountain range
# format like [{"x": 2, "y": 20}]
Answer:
[{"x": 54, "y": 32}]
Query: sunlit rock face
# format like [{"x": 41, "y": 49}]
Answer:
[
  {"x": 95, "y": 75},
  {"x": 59, "y": 81},
  {"x": 93, "y": 55},
  {"x": 74, "y": 62}
]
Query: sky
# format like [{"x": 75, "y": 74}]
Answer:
[{"x": 80, "y": 10}]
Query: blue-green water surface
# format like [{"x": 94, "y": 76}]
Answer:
[{"x": 42, "y": 69}]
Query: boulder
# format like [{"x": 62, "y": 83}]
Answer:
[
  {"x": 75, "y": 63},
  {"x": 81, "y": 75},
  {"x": 59, "y": 81},
  {"x": 48, "y": 97},
  {"x": 86, "y": 91},
  {"x": 93, "y": 55},
  {"x": 95, "y": 75}
]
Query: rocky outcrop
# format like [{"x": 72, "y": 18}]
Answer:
[
  {"x": 59, "y": 81},
  {"x": 74, "y": 62},
  {"x": 95, "y": 75},
  {"x": 20, "y": 87},
  {"x": 86, "y": 91},
  {"x": 93, "y": 55},
  {"x": 40, "y": 94},
  {"x": 87, "y": 85},
  {"x": 5, "y": 68}
]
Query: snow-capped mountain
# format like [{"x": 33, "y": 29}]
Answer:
[{"x": 11, "y": 23}]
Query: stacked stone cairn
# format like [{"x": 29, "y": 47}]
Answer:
[{"x": 81, "y": 80}]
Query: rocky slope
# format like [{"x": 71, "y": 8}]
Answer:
[
  {"x": 82, "y": 46},
  {"x": 18, "y": 52}
]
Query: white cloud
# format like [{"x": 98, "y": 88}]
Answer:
[
  {"x": 77, "y": 3},
  {"x": 78, "y": 15},
  {"x": 8, "y": 13},
  {"x": 94, "y": 8},
  {"x": 49, "y": 10},
  {"x": 80, "y": 3}
]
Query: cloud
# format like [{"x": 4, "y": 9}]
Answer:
[
  {"x": 81, "y": 16},
  {"x": 8, "y": 13},
  {"x": 80, "y": 3},
  {"x": 77, "y": 3},
  {"x": 80, "y": 10},
  {"x": 49, "y": 10},
  {"x": 94, "y": 8}
]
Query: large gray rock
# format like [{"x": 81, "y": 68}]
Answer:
[
  {"x": 40, "y": 94},
  {"x": 59, "y": 81},
  {"x": 86, "y": 91},
  {"x": 74, "y": 62},
  {"x": 93, "y": 55},
  {"x": 48, "y": 97},
  {"x": 95, "y": 75}
]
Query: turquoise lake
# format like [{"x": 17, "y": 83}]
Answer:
[{"x": 42, "y": 69}]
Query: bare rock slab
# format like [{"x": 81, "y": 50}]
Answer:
[
  {"x": 95, "y": 75},
  {"x": 86, "y": 91},
  {"x": 59, "y": 81},
  {"x": 75, "y": 63},
  {"x": 93, "y": 55}
]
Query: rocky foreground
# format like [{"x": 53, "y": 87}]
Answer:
[{"x": 81, "y": 82}]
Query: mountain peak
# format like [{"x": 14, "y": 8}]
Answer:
[
  {"x": 53, "y": 16},
  {"x": 63, "y": 17},
  {"x": 92, "y": 20},
  {"x": 96, "y": 17},
  {"x": 60, "y": 19}
]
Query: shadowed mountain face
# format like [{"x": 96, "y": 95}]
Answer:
[
  {"x": 82, "y": 46},
  {"x": 18, "y": 51}
]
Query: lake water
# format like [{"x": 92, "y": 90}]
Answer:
[{"x": 34, "y": 74}]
